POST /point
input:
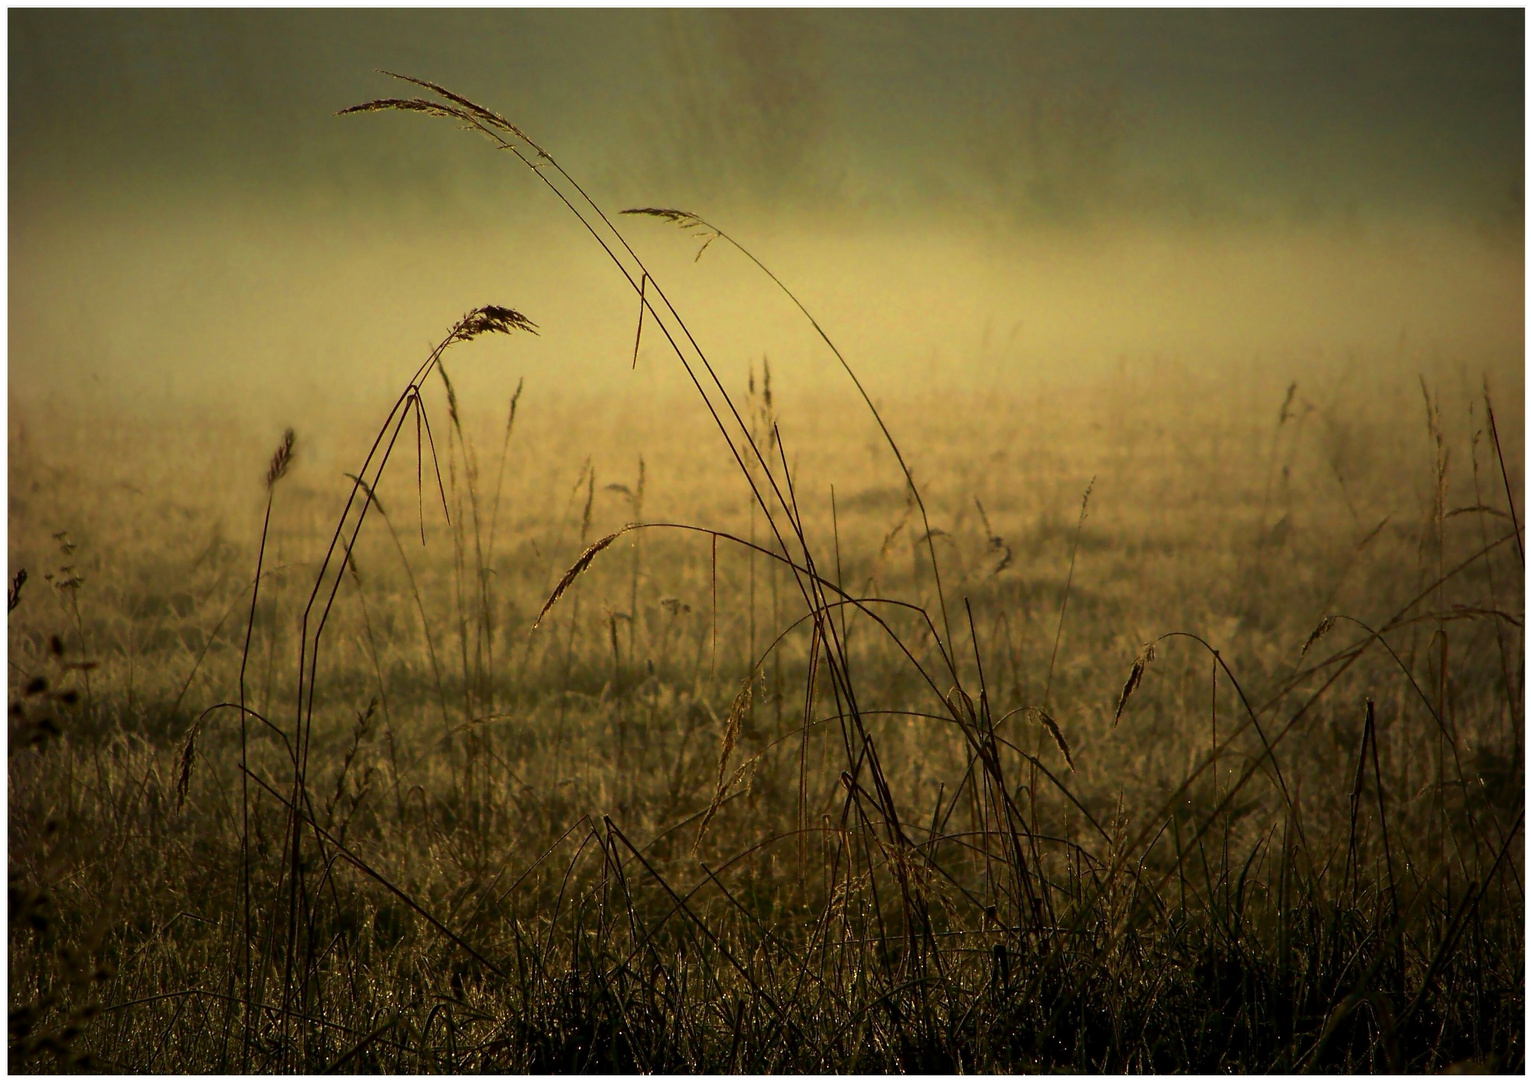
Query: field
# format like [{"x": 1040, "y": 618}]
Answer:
[{"x": 1167, "y": 720}]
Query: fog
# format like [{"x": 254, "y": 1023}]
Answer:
[{"x": 976, "y": 198}]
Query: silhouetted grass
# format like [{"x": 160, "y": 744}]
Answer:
[{"x": 477, "y": 826}]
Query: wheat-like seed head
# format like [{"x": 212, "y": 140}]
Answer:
[
  {"x": 1134, "y": 677},
  {"x": 1324, "y": 626},
  {"x": 13, "y": 596},
  {"x": 188, "y": 754},
  {"x": 280, "y": 460},
  {"x": 1051, "y": 725},
  {"x": 580, "y": 566}
]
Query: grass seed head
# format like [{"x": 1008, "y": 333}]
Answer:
[
  {"x": 1134, "y": 677},
  {"x": 188, "y": 755},
  {"x": 1051, "y": 725},
  {"x": 477, "y": 115},
  {"x": 684, "y": 218},
  {"x": 491, "y": 319},
  {"x": 1325, "y": 625},
  {"x": 580, "y": 566},
  {"x": 281, "y": 460}
]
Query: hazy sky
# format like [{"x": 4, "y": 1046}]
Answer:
[{"x": 1068, "y": 186}]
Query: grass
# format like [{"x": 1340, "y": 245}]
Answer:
[{"x": 1223, "y": 775}]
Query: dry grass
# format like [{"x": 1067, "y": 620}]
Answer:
[{"x": 814, "y": 779}]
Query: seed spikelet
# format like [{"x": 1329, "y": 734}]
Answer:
[
  {"x": 580, "y": 566},
  {"x": 1325, "y": 625},
  {"x": 684, "y": 219},
  {"x": 188, "y": 754},
  {"x": 280, "y": 460},
  {"x": 1052, "y": 729},
  {"x": 491, "y": 319},
  {"x": 1134, "y": 677}
]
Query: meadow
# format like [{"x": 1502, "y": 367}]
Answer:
[{"x": 1169, "y": 720}]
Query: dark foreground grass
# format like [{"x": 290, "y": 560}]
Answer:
[{"x": 850, "y": 835}]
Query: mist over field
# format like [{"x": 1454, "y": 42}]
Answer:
[
  {"x": 1122, "y": 670},
  {"x": 1050, "y": 192}
]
